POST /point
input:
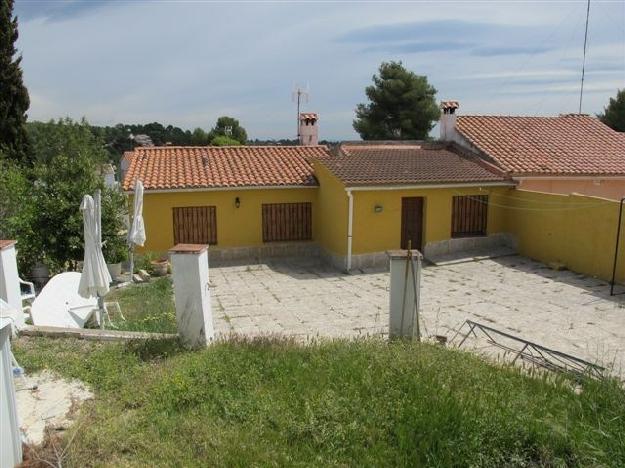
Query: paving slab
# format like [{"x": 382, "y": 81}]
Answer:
[{"x": 562, "y": 310}]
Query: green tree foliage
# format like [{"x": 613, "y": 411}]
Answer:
[
  {"x": 228, "y": 127},
  {"x": 14, "y": 100},
  {"x": 199, "y": 137},
  {"x": 114, "y": 216},
  {"x": 614, "y": 113},
  {"x": 13, "y": 191},
  {"x": 222, "y": 140},
  {"x": 44, "y": 214},
  {"x": 65, "y": 137},
  {"x": 57, "y": 225},
  {"x": 117, "y": 139},
  {"x": 402, "y": 106}
]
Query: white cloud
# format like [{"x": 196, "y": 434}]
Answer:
[{"x": 187, "y": 63}]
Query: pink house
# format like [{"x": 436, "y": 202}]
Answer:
[{"x": 566, "y": 154}]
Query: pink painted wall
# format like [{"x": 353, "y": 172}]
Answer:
[{"x": 607, "y": 188}]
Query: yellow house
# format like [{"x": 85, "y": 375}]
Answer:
[
  {"x": 245, "y": 202},
  {"x": 430, "y": 196},
  {"x": 257, "y": 202}
]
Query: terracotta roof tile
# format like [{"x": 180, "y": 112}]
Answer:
[
  {"x": 408, "y": 164},
  {"x": 4, "y": 243},
  {"x": 450, "y": 104},
  {"x": 564, "y": 145},
  {"x": 176, "y": 167}
]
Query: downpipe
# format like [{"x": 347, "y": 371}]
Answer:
[
  {"x": 618, "y": 238},
  {"x": 350, "y": 222}
]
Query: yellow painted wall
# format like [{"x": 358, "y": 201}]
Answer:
[
  {"x": 378, "y": 232},
  {"x": 332, "y": 227},
  {"x": 613, "y": 189},
  {"x": 236, "y": 227},
  {"x": 575, "y": 230}
]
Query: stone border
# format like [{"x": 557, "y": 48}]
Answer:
[{"x": 93, "y": 334}]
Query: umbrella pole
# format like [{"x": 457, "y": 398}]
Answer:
[
  {"x": 132, "y": 264},
  {"x": 101, "y": 311}
]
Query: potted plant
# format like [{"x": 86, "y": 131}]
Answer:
[
  {"x": 115, "y": 252},
  {"x": 114, "y": 246}
]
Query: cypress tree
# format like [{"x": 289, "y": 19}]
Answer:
[{"x": 14, "y": 101}]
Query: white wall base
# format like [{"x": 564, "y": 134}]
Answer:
[{"x": 257, "y": 255}]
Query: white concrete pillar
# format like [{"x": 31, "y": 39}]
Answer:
[
  {"x": 10, "y": 438},
  {"x": 10, "y": 290},
  {"x": 189, "y": 263},
  {"x": 405, "y": 287}
]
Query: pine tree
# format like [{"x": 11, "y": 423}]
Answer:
[
  {"x": 402, "y": 106},
  {"x": 14, "y": 101},
  {"x": 614, "y": 113}
]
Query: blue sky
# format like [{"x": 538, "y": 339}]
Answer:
[{"x": 188, "y": 62}]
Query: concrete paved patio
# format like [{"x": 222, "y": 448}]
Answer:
[{"x": 305, "y": 298}]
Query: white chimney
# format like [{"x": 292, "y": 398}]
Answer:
[
  {"x": 308, "y": 129},
  {"x": 448, "y": 119}
]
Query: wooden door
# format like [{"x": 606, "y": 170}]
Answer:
[{"x": 412, "y": 222}]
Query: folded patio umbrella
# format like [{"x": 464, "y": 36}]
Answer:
[
  {"x": 95, "y": 277},
  {"x": 136, "y": 235}
]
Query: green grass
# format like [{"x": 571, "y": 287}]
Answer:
[
  {"x": 147, "y": 307},
  {"x": 270, "y": 402}
]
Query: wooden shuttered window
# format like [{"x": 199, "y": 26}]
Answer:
[
  {"x": 287, "y": 222},
  {"x": 469, "y": 216},
  {"x": 195, "y": 225}
]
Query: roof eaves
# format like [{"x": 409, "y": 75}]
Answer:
[{"x": 355, "y": 185}]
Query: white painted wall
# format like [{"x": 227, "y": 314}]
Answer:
[{"x": 10, "y": 285}]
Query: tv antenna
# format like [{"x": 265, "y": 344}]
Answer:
[
  {"x": 298, "y": 96},
  {"x": 581, "y": 92}
]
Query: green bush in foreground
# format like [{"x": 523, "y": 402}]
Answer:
[{"x": 360, "y": 403}]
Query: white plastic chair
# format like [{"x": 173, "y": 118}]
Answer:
[{"x": 27, "y": 289}]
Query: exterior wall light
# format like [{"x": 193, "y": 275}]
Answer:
[
  {"x": 378, "y": 208},
  {"x": 237, "y": 202}
]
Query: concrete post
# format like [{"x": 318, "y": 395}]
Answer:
[
  {"x": 10, "y": 290},
  {"x": 194, "y": 317},
  {"x": 405, "y": 287},
  {"x": 10, "y": 438}
]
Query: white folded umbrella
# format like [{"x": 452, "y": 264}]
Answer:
[
  {"x": 136, "y": 235},
  {"x": 95, "y": 278}
]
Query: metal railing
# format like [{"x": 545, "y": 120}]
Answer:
[{"x": 533, "y": 353}]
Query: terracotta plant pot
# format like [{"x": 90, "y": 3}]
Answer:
[
  {"x": 115, "y": 269},
  {"x": 159, "y": 268}
]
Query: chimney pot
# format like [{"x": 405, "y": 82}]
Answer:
[
  {"x": 448, "y": 120},
  {"x": 308, "y": 129}
]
